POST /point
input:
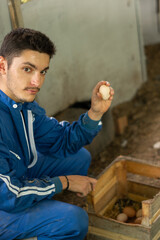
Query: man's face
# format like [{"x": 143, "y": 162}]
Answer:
[{"x": 25, "y": 76}]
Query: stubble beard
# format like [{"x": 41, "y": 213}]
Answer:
[{"x": 17, "y": 96}]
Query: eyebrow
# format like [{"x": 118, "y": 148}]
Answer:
[{"x": 34, "y": 66}]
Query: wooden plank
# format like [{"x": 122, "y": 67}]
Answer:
[
  {"x": 98, "y": 232},
  {"x": 145, "y": 213},
  {"x": 157, "y": 236},
  {"x": 108, "y": 206},
  {"x": 151, "y": 209},
  {"x": 155, "y": 230},
  {"x": 152, "y": 182},
  {"x": 103, "y": 202},
  {"x": 106, "y": 188},
  {"x": 155, "y": 207},
  {"x": 136, "y": 166},
  {"x": 136, "y": 197},
  {"x": 143, "y": 169},
  {"x": 141, "y": 189},
  {"x": 91, "y": 236},
  {"x": 105, "y": 177},
  {"x": 155, "y": 216},
  {"x": 133, "y": 231},
  {"x": 121, "y": 174}
]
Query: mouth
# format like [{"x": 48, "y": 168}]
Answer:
[{"x": 32, "y": 90}]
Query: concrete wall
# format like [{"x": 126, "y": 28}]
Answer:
[
  {"x": 95, "y": 40},
  {"x": 150, "y": 25},
  {"x": 5, "y": 25}
]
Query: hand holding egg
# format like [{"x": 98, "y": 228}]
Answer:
[
  {"x": 105, "y": 92},
  {"x": 99, "y": 106}
]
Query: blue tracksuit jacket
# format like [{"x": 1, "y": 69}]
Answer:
[{"x": 25, "y": 131}]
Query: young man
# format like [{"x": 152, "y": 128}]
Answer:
[{"x": 40, "y": 157}]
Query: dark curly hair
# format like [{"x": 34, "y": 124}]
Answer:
[{"x": 21, "y": 39}]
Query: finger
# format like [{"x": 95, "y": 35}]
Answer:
[
  {"x": 101, "y": 83},
  {"x": 111, "y": 98},
  {"x": 99, "y": 95},
  {"x": 104, "y": 83},
  {"x": 81, "y": 195},
  {"x": 111, "y": 91},
  {"x": 107, "y": 83},
  {"x": 92, "y": 180},
  {"x": 91, "y": 185}
]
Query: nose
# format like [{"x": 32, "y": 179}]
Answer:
[{"x": 36, "y": 80}]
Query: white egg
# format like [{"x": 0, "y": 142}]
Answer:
[
  {"x": 104, "y": 91},
  {"x": 122, "y": 217}
]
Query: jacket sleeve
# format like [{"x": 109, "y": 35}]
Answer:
[
  {"x": 63, "y": 138},
  {"x": 19, "y": 193}
]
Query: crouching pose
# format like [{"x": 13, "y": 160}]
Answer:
[{"x": 39, "y": 156}]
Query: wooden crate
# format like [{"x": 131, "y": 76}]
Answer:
[{"x": 131, "y": 178}]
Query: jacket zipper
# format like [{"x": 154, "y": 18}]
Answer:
[
  {"x": 31, "y": 138},
  {"x": 25, "y": 132}
]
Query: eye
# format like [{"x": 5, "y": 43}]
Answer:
[
  {"x": 44, "y": 72},
  {"x": 26, "y": 69}
]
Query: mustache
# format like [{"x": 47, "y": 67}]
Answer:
[{"x": 32, "y": 88}]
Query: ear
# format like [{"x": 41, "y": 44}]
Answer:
[{"x": 3, "y": 65}]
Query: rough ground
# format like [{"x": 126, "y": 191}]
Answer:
[{"x": 143, "y": 129}]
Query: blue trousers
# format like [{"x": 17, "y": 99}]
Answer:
[{"x": 50, "y": 219}]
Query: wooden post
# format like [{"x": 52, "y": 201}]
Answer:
[
  {"x": 14, "y": 7},
  {"x": 121, "y": 124}
]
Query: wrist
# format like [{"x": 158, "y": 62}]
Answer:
[
  {"x": 96, "y": 116},
  {"x": 65, "y": 182}
]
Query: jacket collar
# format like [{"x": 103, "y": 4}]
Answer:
[{"x": 33, "y": 106}]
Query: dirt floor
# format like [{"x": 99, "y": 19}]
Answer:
[{"x": 143, "y": 130}]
